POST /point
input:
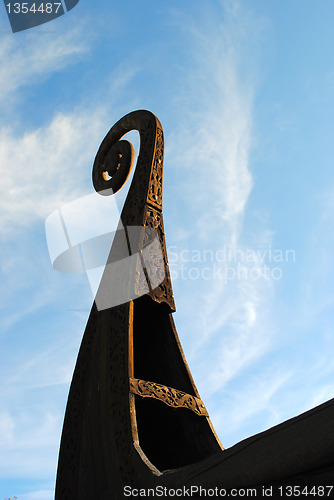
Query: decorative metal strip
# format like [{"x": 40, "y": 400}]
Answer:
[{"x": 168, "y": 395}]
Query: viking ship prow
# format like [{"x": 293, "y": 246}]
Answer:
[{"x": 134, "y": 418}]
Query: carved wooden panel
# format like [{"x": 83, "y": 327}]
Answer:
[{"x": 168, "y": 395}]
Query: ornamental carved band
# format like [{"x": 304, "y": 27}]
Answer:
[{"x": 168, "y": 395}]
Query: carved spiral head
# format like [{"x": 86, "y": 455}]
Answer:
[{"x": 112, "y": 168}]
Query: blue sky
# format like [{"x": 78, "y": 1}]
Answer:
[{"x": 245, "y": 93}]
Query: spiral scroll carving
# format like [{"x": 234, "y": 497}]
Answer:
[
  {"x": 112, "y": 173},
  {"x": 115, "y": 157},
  {"x": 143, "y": 206}
]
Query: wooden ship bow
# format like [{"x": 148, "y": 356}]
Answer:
[
  {"x": 133, "y": 409},
  {"x": 134, "y": 418}
]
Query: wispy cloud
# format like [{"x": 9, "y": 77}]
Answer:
[
  {"x": 28, "y": 59},
  {"x": 237, "y": 417},
  {"x": 42, "y": 168},
  {"x": 224, "y": 322},
  {"x": 34, "y": 443},
  {"x": 214, "y": 147}
]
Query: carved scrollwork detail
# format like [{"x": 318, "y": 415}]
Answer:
[
  {"x": 164, "y": 292},
  {"x": 155, "y": 191},
  {"x": 168, "y": 395}
]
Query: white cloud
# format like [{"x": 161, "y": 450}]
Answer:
[
  {"x": 44, "y": 168},
  {"x": 30, "y": 57},
  {"x": 256, "y": 397},
  {"x": 34, "y": 444}
]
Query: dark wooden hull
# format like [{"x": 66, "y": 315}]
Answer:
[{"x": 111, "y": 441}]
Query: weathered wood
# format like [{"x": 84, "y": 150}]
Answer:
[{"x": 114, "y": 437}]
